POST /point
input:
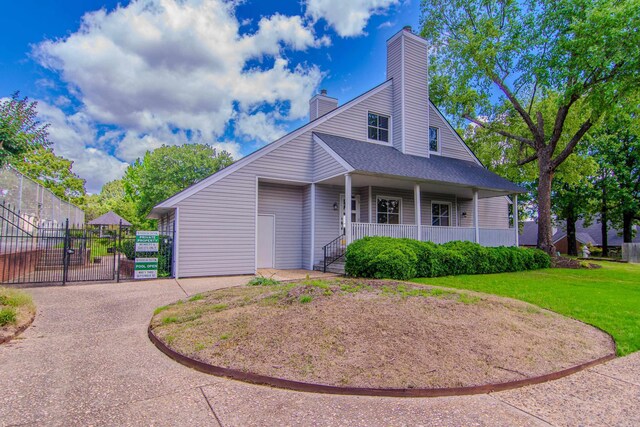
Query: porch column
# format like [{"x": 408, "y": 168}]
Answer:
[
  {"x": 416, "y": 198},
  {"x": 475, "y": 215},
  {"x": 515, "y": 220},
  {"x": 347, "y": 207}
]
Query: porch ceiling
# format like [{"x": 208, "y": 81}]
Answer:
[{"x": 365, "y": 180}]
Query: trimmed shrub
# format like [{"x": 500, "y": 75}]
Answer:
[{"x": 401, "y": 259}]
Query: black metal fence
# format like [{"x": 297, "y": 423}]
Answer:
[{"x": 60, "y": 255}]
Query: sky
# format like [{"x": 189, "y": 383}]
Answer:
[{"x": 115, "y": 79}]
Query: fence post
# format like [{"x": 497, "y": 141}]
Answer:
[
  {"x": 118, "y": 246},
  {"x": 65, "y": 254}
]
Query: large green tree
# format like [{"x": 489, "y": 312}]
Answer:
[
  {"x": 20, "y": 131},
  {"x": 53, "y": 172},
  {"x": 169, "y": 169},
  {"x": 112, "y": 197},
  {"x": 492, "y": 60},
  {"x": 615, "y": 145}
]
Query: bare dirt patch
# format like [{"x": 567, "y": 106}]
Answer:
[
  {"x": 16, "y": 313},
  {"x": 376, "y": 334}
]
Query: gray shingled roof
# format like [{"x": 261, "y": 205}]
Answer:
[
  {"x": 110, "y": 218},
  {"x": 382, "y": 159}
]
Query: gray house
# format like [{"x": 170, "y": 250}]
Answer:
[{"x": 389, "y": 151}]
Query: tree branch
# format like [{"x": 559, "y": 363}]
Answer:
[
  {"x": 572, "y": 144},
  {"x": 516, "y": 104},
  {"x": 519, "y": 138},
  {"x": 529, "y": 159}
]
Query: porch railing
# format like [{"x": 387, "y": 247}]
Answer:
[
  {"x": 488, "y": 236},
  {"x": 363, "y": 229},
  {"x": 448, "y": 234},
  {"x": 497, "y": 237}
]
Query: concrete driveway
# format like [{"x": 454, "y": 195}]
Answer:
[{"x": 87, "y": 360}]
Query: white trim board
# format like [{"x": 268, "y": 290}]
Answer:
[{"x": 176, "y": 198}]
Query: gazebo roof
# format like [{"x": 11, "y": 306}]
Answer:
[{"x": 110, "y": 218}]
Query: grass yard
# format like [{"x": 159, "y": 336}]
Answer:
[
  {"x": 608, "y": 298},
  {"x": 16, "y": 310}
]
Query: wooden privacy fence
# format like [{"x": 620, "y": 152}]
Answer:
[{"x": 631, "y": 252}]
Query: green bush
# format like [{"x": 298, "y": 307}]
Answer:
[
  {"x": 128, "y": 248},
  {"x": 7, "y": 315},
  {"x": 402, "y": 259},
  {"x": 263, "y": 281}
]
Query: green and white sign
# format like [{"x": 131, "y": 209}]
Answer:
[
  {"x": 146, "y": 268},
  {"x": 147, "y": 241}
]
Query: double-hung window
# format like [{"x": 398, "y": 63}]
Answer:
[
  {"x": 440, "y": 214},
  {"x": 378, "y": 127},
  {"x": 434, "y": 139},
  {"x": 388, "y": 210}
]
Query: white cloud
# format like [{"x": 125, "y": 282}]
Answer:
[
  {"x": 258, "y": 126},
  {"x": 348, "y": 18},
  {"x": 71, "y": 137},
  {"x": 175, "y": 72}
]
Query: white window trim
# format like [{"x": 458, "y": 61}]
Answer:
[
  {"x": 442, "y": 202},
  {"x": 439, "y": 151},
  {"x": 382, "y": 196},
  {"x": 341, "y": 211},
  {"x": 376, "y": 141}
]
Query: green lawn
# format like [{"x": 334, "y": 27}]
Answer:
[{"x": 608, "y": 298}]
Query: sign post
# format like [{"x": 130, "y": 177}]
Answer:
[{"x": 146, "y": 267}]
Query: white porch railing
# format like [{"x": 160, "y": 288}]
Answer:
[
  {"x": 488, "y": 236},
  {"x": 363, "y": 229},
  {"x": 497, "y": 237},
  {"x": 448, "y": 234}
]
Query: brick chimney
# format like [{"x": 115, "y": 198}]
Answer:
[{"x": 321, "y": 104}]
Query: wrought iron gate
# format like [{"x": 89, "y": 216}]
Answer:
[{"x": 63, "y": 254}]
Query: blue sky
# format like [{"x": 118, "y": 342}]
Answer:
[{"x": 116, "y": 79}]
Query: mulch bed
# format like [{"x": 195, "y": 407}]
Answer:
[
  {"x": 380, "y": 334},
  {"x": 563, "y": 262}
]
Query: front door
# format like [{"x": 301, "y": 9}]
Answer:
[
  {"x": 355, "y": 211},
  {"x": 266, "y": 241}
]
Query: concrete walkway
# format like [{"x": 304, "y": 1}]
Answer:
[{"x": 87, "y": 361}]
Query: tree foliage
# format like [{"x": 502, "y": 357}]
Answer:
[
  {"x": 168, "y": 170},
  {"x": 112, "y": 197},
  {"x": 53, "y": 172},
  {"x": 492, "y": 61},
  {"x": 20, "y": 131}
]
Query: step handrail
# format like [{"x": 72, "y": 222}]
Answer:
[{"x": 333, "y": 251}]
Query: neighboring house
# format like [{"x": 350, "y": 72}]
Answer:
[
  {"x": 389, "y": 151},
  {"x": 591, "y": 235}
]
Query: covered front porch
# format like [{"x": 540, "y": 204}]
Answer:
[{"x": 422, "y": 210}]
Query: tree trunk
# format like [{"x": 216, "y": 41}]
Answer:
[
  {"x": 604, "y": 213},
  {"x": 545, "y": 231},
  {"x": 627, "y": 224},
  {"x": 572, "y": 244}
]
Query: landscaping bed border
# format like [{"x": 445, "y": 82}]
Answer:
[
  {"x": 18, "y": 331},
  {"x": 365, "y": 391}
]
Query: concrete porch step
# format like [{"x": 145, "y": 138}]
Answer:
[{"x": 336, "y": 267}]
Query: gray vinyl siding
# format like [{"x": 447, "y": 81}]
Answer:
[
  {"x": 327, "y": 219},
  {"x": 352, "y": 123},
  {"x": 363, "y": 192},
  {"x": 493, "y": 212},
  {"x": 394, "y": 71},
  {"x": 450, "y": 143},
  {"x": 465, "y": 205},
  {"x": 416, "y": 102},
  {"x": 325, "y": 166},
  {"x": 217, "y": 224},
  {"x": 285, "y": 202}
]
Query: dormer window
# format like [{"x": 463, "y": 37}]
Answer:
[
  {"x": 378, "y": 127},
  {"x": 434, "y": 140}
]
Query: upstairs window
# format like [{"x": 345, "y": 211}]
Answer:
[
  {"x": 378, "y": 127},
  {"x": 434, "y": 140}
]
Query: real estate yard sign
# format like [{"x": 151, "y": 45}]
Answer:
[
  {"x": 146, "y": 268},
  {"x": 147, "y": 241}
]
